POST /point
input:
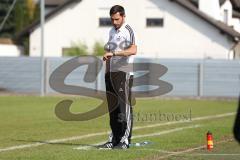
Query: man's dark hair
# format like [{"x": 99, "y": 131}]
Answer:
[{"x": 117, "y": 8}]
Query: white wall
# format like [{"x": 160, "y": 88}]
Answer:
[
  {"x": 184, "y": 35},
  {"x": 236, "y": 24},
  {"x": 228, "y": 7},
  {"x": 77, "y": 23},
  {"x": 10, "y": 50},
  {"x": 210, "y": 7}
]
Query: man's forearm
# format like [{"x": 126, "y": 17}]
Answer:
[
  {"x": 123, "y": 53},
  {"x": 128, "y": 52}
]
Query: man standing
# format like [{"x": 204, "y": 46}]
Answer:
[{"x": 118, "y": 79}]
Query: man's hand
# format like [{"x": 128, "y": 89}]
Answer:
[{"x": 107, "y": 56}]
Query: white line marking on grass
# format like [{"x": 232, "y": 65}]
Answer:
[
  {"x": 147, "y": 135},
  {"x": 104, "y": 133},
  {"x": 165, "y": 132},
  {"x": 191, "y": 154},
  {"x": 51, "y": 141},
  {"x": 89, "y": 147},
  {"x": 157, "y": 150},
  {"x": 217, "y": 154},
  {"x": 188, "y": 150},
  {"x": 181, "y": 152},
  {"x": 167, "y": 123},
  {"x": 193, "y": 119}
]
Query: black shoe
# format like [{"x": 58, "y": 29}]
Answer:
[
  {"x": 108, "y": 145},
  {"x": 121, "y": 146}
]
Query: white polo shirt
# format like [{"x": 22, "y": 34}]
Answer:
[{"x": 119, "y": 40}]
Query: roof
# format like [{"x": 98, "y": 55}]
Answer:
[
  {"x": 218, "y": 24},
  {"x": 184, "y": 3},
  {"x": 236, "y": 14},
  {"x": 54, "y": 2},
  {"x": 236, "y": 4},
  {"x": 195, "y": 2},
  {"x": 222, "y": 2}
]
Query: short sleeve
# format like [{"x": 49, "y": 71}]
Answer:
[{"x": 130, "y": 35}]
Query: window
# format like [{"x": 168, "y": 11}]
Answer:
[
  {"x": 155, "y": 22},
  {"x": 105, "y": 22}
]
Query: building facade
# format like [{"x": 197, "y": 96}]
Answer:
[{"x": 164, "y": 29}]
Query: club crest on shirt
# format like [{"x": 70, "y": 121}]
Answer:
[{"x": 118, "y": 38}]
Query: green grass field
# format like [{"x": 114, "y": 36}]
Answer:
[{"x": 31, "y": 131}]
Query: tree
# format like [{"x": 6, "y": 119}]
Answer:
[
  {"x": 8, "y": 28},
  {"x": 23, "y": 14}
]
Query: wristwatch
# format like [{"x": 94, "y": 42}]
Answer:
[{"x": 113, "y": 52}]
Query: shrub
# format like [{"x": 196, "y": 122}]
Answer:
[
  {"x": 77, "y": 49},
  {"x": 98, "y": 49}
]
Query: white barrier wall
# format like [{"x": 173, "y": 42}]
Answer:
[{"x": 212, "y": 78}]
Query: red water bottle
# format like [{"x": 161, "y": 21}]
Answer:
[{"x": 209, "y": 141}]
